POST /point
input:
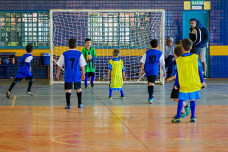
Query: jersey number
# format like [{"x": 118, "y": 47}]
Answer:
[
  {"x": 72, "y": 65},
  {"x": 152, "y": 59}
]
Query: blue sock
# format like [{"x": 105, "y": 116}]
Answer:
[
  {"x": 193, "y": 108},
  {"x": 110, "y": 92},
  {"x": 86, "y": 81},
  {"x": 92, "y": 79},
  {"x": 179, "y": 108},
  {"x": 122, "y": 93}
]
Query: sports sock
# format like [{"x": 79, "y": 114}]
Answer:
[
  {"x": 86, "y": 81},
  {"x": 92, "y": 79},
  {"x": 193, "y": 108},
  {"x": 68, "y": 98},
  {"x": 122, "y": 93},
  {"x": 13, "y": 84},
  {"x": 30, "y": 85},
  {"x": 110, "y": 92},
  {"x": 79, "y": 95},
  {"x": 179, "y": 108},
  {"x": 150, "y": 91}
]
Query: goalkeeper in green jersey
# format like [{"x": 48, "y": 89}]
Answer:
[{"x": 90, "y": 55}]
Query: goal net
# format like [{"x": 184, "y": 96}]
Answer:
[{"x": 127, "y": 30}]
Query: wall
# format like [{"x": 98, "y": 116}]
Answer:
[{"x": 218, "y": 20}]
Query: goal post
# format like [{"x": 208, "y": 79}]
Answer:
[{"x": 127, "y": 30}]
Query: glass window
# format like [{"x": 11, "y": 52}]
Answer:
[{"x": 21, "y": 28}]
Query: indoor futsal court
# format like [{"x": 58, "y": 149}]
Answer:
[{"x": 92, "y": 75}]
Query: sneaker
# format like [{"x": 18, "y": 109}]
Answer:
[
  {"x": 29, "y": 93},
  {"x": 92, "y": 85},
  {"x": 187, "y": 110},
  {"x": 109, "y": 97},
  {"x": 122, "y": 97},
  {"x": 151, "y": 101},
  {"x": 193, "y": 120},
  {"x": 204, "y": 77},
  {"x": 68, "y": 107},
  {"x": 183, "y": 115},
  {"x": 8, "y": 94},
  {"x": 176, "y": 120},
  {"x": 80, "y": 105},
  {"x": 86, "y": 87}
]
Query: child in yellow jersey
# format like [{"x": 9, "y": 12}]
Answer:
[
  {"x": 116, "y": 74},
  {"x": 190, "y": 79}
]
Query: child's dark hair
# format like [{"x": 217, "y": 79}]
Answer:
[
  {"x": 193, "y": 19},
  {"x": 87, "y": 39},
  {"x": 29, "y": 48},
  {"x": 154, "y": 43},
  {"x": 178, "y": 42},
  {"x": 178, "y": 51},
  {"x": 72, "y": 43},
  {"x": 116, "y": 52},
  {"x": 186, "y": 44}
]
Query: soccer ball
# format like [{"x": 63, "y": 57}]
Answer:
[{"x": 88, "y": 57}]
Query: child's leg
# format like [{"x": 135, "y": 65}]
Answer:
[
  {"x": 86, "y": 81},
  {"x": 77, "y": 87},
  {"x": 193, "y": 108},
  {"x": 68, "y": 94},
  {"x": 122, "y": 93},
  {"x": 110, "y": 92},
  {"x": 14, "y": 83},
  {"x": 179, "y": 108},
  {"x": 150, "y": 89},
  {"x": 31, "y": 79},
  {"x": 177, "y": 100}
]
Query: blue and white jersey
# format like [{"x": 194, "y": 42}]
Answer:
[
  {"x": 151, "y": 59},
  {"x": 24, "y": 66},
  {"x": 73, "y": 60}
]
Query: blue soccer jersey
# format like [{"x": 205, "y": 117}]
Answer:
[
  {"x": 24, "y": 66},
  {"x": 73, "y": 60},
  {"x": 151, "y": 66}
]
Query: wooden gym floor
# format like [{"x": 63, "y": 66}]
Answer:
[{"x": 41, "y": 124}]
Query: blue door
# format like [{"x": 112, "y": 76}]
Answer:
[{"x": 203, "y": 17}]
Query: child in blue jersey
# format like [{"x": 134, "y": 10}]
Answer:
[
  {"x": 24, "y": 71},
  {"x": 175, "y": 92},
  {"x": 74, "y": 71},
  {"x": 189, "y": 79},
  {"x": 116, "y": 74},
  {"x": 150, "y": 63}
]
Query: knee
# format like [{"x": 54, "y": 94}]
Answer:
[
  {"x": 78, "y": 90},
  {"x": 150, "y": 84},
  {"x": 68, "y": 91}
]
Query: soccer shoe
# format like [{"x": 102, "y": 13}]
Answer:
[
  {"x": 187, "y": 110},
  {"x": 122, "y": 97},
  {"x": 80, "y": 105},
  {"x": 204, "y": 77},
  {"x": 8, "y": 94},
  {"x": 29, "y": 93},
  {"x": 110, "y": 98},
  {"x": 151, "y": 101},
  {"x": 92, "y": 85},
  {"x": 68, "y": 107},
  {"x": 86, "y": 87},
  {"x": 176, "y": 120},
  {"x": 183, "y": 115},
  {"x": 193, "y": 120}
]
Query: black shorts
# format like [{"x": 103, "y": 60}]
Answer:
[
  {"x": 90, "y": 74},
  {"x": 175, "y": 93},
  {"x": 68, "y": 85},
  {"x": 151, "y": 78}
]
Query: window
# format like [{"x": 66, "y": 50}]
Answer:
[
  {"x": 115, "y": 29},
  {"x": 21, "y": 28}
]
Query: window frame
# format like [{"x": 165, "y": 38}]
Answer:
[{"x": 22, "y": 32}]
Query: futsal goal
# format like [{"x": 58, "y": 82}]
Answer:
[{"x": 127, "y": 30}]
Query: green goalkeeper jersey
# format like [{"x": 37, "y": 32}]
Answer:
[{"x": 90, "y": 64}]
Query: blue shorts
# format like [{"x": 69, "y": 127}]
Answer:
[{"x": 189, "y": 96}]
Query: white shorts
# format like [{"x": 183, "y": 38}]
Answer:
[{"x": 202, "y": 57}]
